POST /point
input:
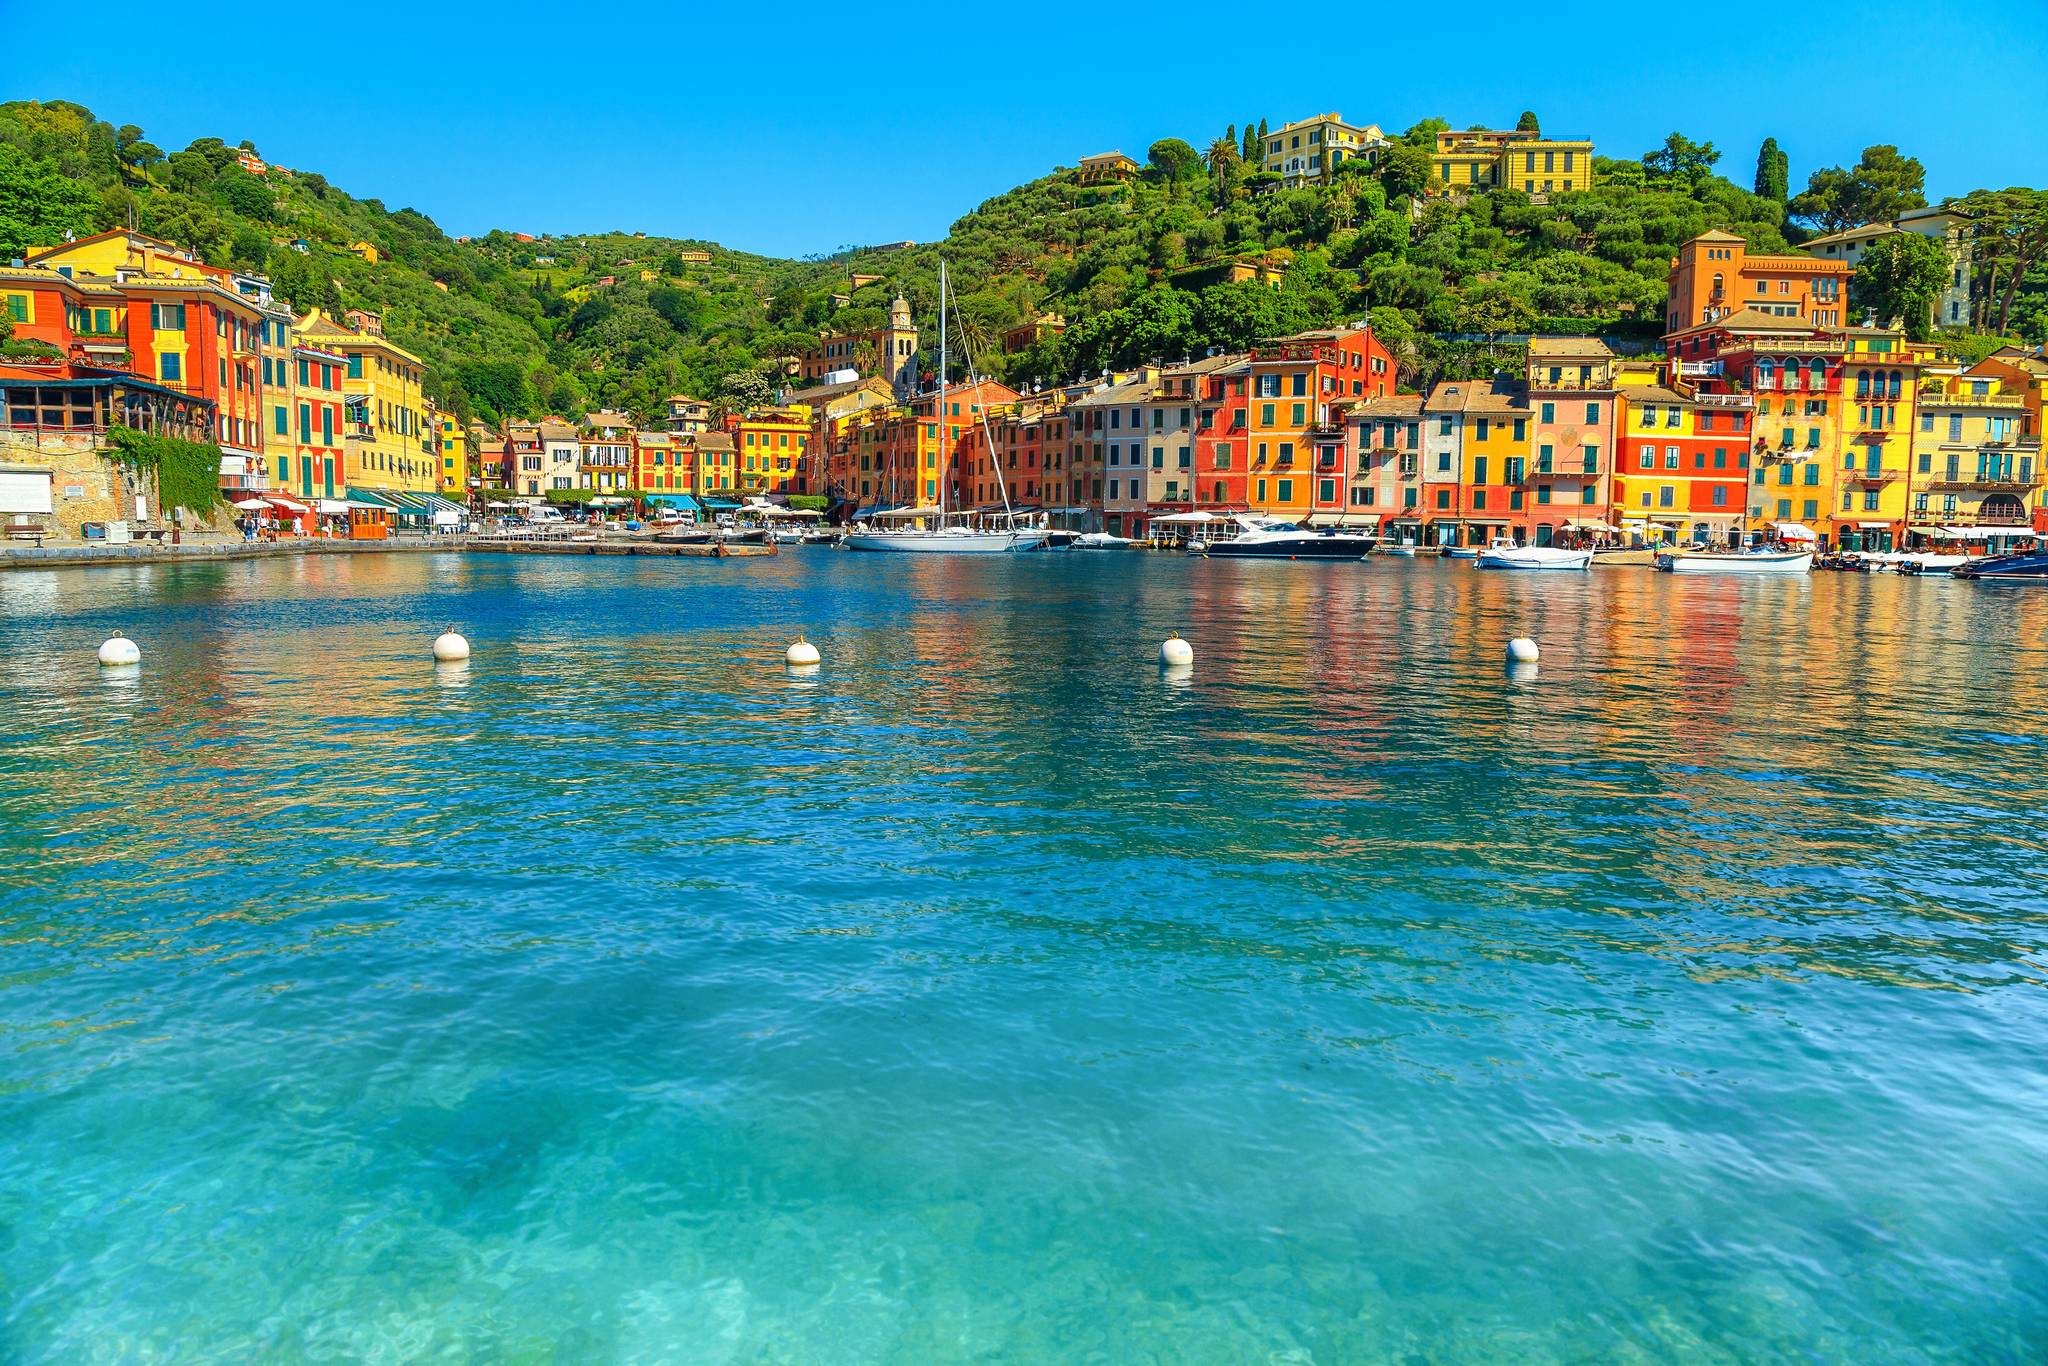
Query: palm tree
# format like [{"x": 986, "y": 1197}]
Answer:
[{"x": 1224, "y": 162}]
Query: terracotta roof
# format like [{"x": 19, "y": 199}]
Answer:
[
  {"x": 1570, "y": 346},
  {"x": 1750, "y": 320},
  {"x": 1478, "y": 396},
  {"x": 713, "y": 441},
  {"x": 1652, "y": 393},
  {"x": 1392, "y": 405},
  {"x": 1130, "y": 391},
  {"x": 1208, "y": 365}
]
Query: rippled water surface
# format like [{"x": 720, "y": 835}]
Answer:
[{"x": 988, "y": 995}]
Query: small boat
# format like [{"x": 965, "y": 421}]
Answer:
[
  {"x": 1102, "y": 540},
  {"x": 1404, "y": 547},
  {"x": 1928, "y": 562},
  {"x": 1460, "y": 552},
  {"x": 1644, "y": 555},
  {"x": 1261, "y": 537},
  {"x": 944, "y": 540},
  {"x": 2026, "y": 566},
  {"x": 1736, "y": 562},
  {"x": 1506, "y": 553}
]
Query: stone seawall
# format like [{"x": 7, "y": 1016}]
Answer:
[{"x": 202, "y": 552}]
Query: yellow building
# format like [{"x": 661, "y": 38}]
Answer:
[
  {"x": 1311, "y": 150},
  {"x": 1976, "y": 458},
  {"x": 454, "y": 453},
  {"x": 1879, "y": 404},
  {"x": 772, "y": 445},
  {"x": 1491, "y": 159},
  {"x": 388, "y": 445}
]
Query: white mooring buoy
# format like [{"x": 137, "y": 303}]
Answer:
[
  {"x": 120, "y": 650},
  {"x": 449, "y": 647},
  {"x": 1522, "y": 650},
  {"x": 1175, "y": 653},
  {"x": 802, "y": 655}
]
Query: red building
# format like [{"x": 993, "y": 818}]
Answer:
[
  {"x": 1222, "y": 453},
  {"x": 1682, "y": 461}
]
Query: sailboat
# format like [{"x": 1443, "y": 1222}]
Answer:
[{"x": 928, "y": 530}]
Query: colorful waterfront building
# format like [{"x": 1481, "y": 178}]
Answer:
[
  {"x": 604, "y": 453},
  {"x": 774, "y": 449},
  {"x": 1108, "y": 444},
  {"x": 186, "y": 327},
  {"x": 560, "y": 459},
  {"x": 1569, "y": 474},
  {"x": 1881, "y": 386},
  {"x": 1715, "y": 275},
  {"x": 1030, "y": 441},
  {"x": 1309, "y": 151},
  {"x": 1682, "y": 462},
  {"x": 387, "y": 447},
  {"x": 1222, "y": 437},
  {"x": 315, "y": 463},
  {"x": 654, "y": 468},
  {"x": 1386, "y": 445},
  {"x": 1183, "y": 398},
  {"x": 1298, "y": 432},
  {"x": 454, "y": 449},
  {"x": 1484, "y": 425},
  {"x": 1976, "y": 459},
  {"x": 715, "y": 461}
]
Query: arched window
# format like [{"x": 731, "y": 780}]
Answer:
[
  {"x": 1863, "y": 384},
  {"x": 1766, "y": 373},
  {"x": 1817, "y": 375},
  {"x": 1717, "y": 284},
  {"x": 1896, "y": 380}
]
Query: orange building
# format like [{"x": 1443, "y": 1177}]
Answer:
[
  {"x": 1298, "y": 436},
  {"x": 1715, "y": 274}
]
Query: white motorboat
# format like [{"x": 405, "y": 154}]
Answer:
[
  {"x": 1262, "y": 537},
  {"x": 1505, "y": 553},
  {"x": 1102, "y": 540},
  {"x": 1736, "y": 562}
]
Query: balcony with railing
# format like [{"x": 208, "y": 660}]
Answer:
[
  {"x": 1869, "y": 478},
  {"x": 1536, "y": 472}
]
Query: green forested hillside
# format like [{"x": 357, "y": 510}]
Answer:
[{"x": 512, "y": 327}]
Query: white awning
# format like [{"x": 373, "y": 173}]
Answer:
[
  {"x": 1178, "y": 518},
  {"x": 1793, "y": 531},
  {"x": 1873, "y": 526},
  {"x": 288, "y": 504},
  {"x": 250, "y": 505},
  {"x": 1587, "y": 524}
]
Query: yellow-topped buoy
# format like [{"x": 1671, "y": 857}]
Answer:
[
  {"x": 1175, "y": 653},
  {"x": 802, "y": 655}
]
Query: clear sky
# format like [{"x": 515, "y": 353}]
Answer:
[{"x": 797, "y": 129}]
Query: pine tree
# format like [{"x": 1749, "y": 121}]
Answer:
[
  {"x": 1773, "y": 172},
  {"x": 1527, "y": 123}
]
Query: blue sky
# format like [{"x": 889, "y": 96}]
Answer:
[{"x": 880, "y": 123}]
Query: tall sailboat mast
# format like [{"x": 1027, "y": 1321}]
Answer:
[{"x": 942, "y": 391}]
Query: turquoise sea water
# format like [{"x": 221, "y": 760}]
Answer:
[{"x": 990, "y": 996}]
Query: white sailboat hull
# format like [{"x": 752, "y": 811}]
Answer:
[
  {"x": 1775, "y": 562},
  {"x": 951, "y": 542},
  {"x": 1536, "y": 557}
]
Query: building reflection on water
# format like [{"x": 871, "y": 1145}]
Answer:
[{"x": 1748, "y": 778}]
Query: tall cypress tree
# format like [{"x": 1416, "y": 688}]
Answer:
[
  {"x": 1773, "y": 172},
  {"x": 1251, "y": 145}
]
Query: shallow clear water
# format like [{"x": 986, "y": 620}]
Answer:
[{"x": 988, "y": 995}]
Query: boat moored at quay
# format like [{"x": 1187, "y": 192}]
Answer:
[
  {"x": 1260, "y": 537},
  {"x": 1506, "y": 553},
  {"x": 2027, "y": 566},
  {"x": 1745, "y": 562}
]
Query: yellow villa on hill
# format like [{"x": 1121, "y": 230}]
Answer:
[{"x": 388, "y": 446}]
